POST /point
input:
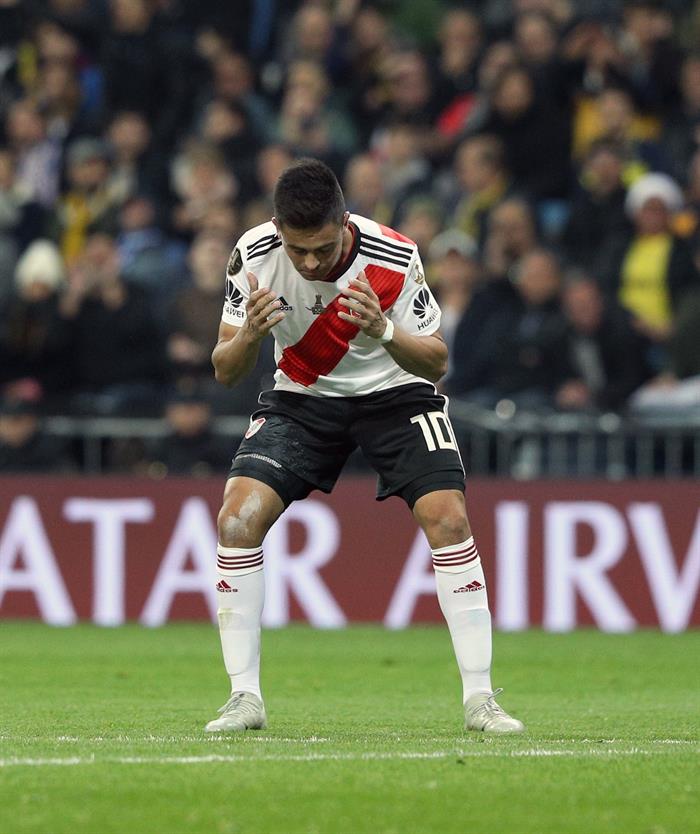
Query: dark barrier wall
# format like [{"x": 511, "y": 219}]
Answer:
[{"x": 557, "y": 554}]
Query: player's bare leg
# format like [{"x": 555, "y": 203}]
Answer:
[
  {"x": 249, "y": 509},
  {"x": 461, "y": 590}
]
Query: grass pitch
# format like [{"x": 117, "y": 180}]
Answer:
[{"x": 101, "y": 731}]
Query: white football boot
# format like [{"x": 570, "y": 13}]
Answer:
[
  {"x": 242, "y": 711},
  {"x": 481, "y": 712}
]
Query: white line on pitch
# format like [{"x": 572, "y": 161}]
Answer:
[
  {"x": 536, "y": 752},
  {"x": 301, "y": 740}
]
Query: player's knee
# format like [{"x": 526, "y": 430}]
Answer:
[
  {"x": 443, "y": 518},
  {"x": 443, "y": 523},
  {"x": 443, "y": 530},
  {"x": 241, "y": 523}
]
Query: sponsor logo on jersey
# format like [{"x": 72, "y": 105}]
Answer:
[
  {"x": 234, "y": 298},
  {"x": 255, "y": 426},
  {"x": 317, "y": 307},
  {"x": 235, "y": 262},
  {"x": 424, "y": 310},
  {"x": 286, "y": 307}
]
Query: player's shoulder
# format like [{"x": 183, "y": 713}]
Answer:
[
  {"x": 383, "y": 244},
  {"x": 257, "y": 242}
]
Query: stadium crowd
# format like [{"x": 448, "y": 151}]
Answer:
[{"x": 544, "y": 154}]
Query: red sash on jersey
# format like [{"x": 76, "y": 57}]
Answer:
[{"x": 328, "y": 339}]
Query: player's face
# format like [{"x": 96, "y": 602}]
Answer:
[{"x": 314, "y": 252}]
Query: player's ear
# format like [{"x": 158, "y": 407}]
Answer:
[{"x": 346, "y": 219}]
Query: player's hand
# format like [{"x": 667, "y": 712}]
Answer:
[
  {"x": 262, "y": 309},
  {"x": 363, "y": 307}
]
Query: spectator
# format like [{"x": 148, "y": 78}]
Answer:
[
  {"x": 195, "y": 311},
  {"x": 200, "y": 179},
  {"x": 309, "y": 122},
  {"x": 520, "y": 353},
  {"x": 604, "y": 351},
  {"x": 21, "y": 219},
  {"x": 616, "y": 119},
  {"x": 226, "y": 126},
  {"x": 482, "y": 180},
  {"x": 369, "y": 45},
  {"x": 222, "y": 220},
  {"x": 234, "y": 83},
  {"x": 190, "y": 447},
  {"x": 535, "y": 135},
  {"x": 24, "y": 446},
  {"x": 116, "y": 346},
  {"x": 149, "y": 258},
  {"x": 411, "y": 99},
  {"x": 681, "y": 136},
  {"x": 60, "y": 100},
  {"x": 37, "y": 157},
  {"x": 461, "y": 41},
  {"x": 422, "y": 220},
  {"x": 136, "y": 166},
  {"x": 86, "y": 206},
  {"x": 364, "y": 188},
  {"x": 649, "y": 269},
  {"x": 675, "y": 392},
  {"x": 597, "y": 210},
  {"x": 511, "y": 236},
  {"x": 651, "y": 61},
  {"x": 405, "y": 171},
  {"x": 34, "y": 339},
  {"x": 142, "y": 70},
  {"x": 536, "y": 38},
  {"x": 453, "y": 271}
]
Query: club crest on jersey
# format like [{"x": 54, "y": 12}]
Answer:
[
  {"x": 255, "y": 426},
  {"x": 317, "y": 307},
  {"x": 235, "y": 262},
  {"x": 423, "y": 309}
]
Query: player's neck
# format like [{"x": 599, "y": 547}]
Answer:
[{"x": 348, "y": 240}]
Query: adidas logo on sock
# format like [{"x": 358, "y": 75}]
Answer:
[
  {"x": 222, "y": 585},
  {"x": 472, "y": 586}
]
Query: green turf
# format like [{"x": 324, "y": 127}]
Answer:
[{"x": 365, "y": 735}]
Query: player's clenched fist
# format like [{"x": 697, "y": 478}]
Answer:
[{"x": 262, "y": 310}]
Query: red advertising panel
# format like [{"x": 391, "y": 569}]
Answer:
[{"x": 557, "y": 554}]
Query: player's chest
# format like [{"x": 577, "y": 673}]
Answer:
[{"x": 306, "y": 303}]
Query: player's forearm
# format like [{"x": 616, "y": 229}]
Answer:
[
  {"x": 235, "y": 358},
  {"x": 424, "y": 356}
]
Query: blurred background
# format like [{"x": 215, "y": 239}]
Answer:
[{"x": 544, "y": 154}]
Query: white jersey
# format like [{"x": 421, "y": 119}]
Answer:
[{"x": 316, "y": 351}]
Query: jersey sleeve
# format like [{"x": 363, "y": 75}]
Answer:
[
  {"x": 237, "y": 290},
  {"x": 415, "y": 310}
]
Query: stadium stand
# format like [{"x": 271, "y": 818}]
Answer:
[{"x": 544, "y": 154}]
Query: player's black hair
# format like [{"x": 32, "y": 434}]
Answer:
[{"x": 307, "y": 196}]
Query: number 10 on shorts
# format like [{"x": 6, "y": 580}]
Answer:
[{"x": 436, "y": 429}]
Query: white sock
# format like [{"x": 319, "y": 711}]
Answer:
[
  {"x": 240, "y": 593},
  {"x": 461, "y": 590}
]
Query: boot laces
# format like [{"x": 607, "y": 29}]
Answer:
[
  {"x": 238, "y": 702},
  {"x": 489, "y": 708}
]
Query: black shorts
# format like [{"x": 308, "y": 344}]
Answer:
[{"x": 297, "y": 443}]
